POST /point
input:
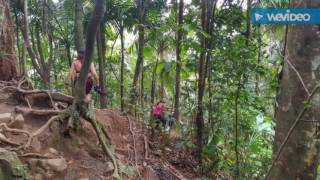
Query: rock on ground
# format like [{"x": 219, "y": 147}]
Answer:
[
  {"x": 57, "y": 165},
  {"x": 5, "y": 117},
  {"x": 11, "y": 167}
]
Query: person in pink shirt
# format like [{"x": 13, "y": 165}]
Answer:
[{"x": 158, "y": 112}]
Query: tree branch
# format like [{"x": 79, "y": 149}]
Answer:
[{"x": 293, "y": 126}]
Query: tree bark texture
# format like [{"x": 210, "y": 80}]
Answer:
[
  {"x": 101, "y": 56},
  {"x": 78, "y": 25},
  {"x": 8, "y": 61},
  {"x": 178, "y": 60},
  {"x": 134, "y": 89},
  {"x": 299, "y": 157},
  {"x": 92, "y": 29},
  {"x": 201, "y": 81}
]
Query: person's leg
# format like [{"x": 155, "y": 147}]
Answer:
[
  {"x": 172, "y": 120},
  {"x": 87, "y": 99},
  {"x": 163, "y": 120},
  {"x": 89, "y": 85},
  {"x": 157, "y": 121}
]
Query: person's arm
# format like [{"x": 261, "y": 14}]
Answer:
[{"x": 94, "y": 73}]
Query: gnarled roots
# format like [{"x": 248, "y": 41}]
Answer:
[{"x": 72, "y": 113}]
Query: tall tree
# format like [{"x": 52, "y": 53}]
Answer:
[
  {"x": 8, "y": 62},
  {"x": 92, "y": 30},
  {"x": 296, "y": 148},
  {"x": 201, "y": 80},
  {"x": 78, "y": 25},
  {"x": 20, "y": 47},
  {"x": 121, "y": 29},
  {"x": 178, "y": 59},
  {"x": 42, "y": 67},
  {"x": 141, "y": 4},
  {"x": 101, "y": 47}
]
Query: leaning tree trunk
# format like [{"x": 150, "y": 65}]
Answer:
[
  {"x": 296, "y": 146},
  {"x": 8, "y": 62},
  {"x": 90, "y": 38}
]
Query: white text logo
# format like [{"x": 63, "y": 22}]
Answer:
[{"x": 288, "y": 16}]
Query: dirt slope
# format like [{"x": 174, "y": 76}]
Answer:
[{"x": 80, "y": 152}]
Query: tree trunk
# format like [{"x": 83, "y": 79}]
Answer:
[
  {"x": 92, "y": 29},
  {"x": 68, "y": 50},
  {"x": 19, "y": 49},
  {"x": 24, "y": 70},
  {"x": 78, "y": 25},
  {"x": 299, "y": 156},
  {"x": 45, "y": 66},
  {"x": 154, "y": 78},
  {"x": 178, "y": 60},
  {"x": 142, "y": 87},
  {"x": 8, "y": 61},
  {"x": 248, "y": 33},
  {"x": 162, "y": 91},
  {"x": 236, "y": 110},
  {"x": 134, "y": 91},
  {"x": 201, "y": 80},
  {"x": 257, "y": 89},
  {"x": 122, "y": 67},
  {"x": 35, "y": 52},
  {"x": 101, "y": 57}
]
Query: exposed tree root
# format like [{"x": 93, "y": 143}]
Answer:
[
  {"x": 105, "y": 132},
  {"x": 105, "y": 148},
  {"x": 37, "y": 112},
  {"x": 134, "y": 146},
  {"x": 52, "y": 102},
  {"x": 6, "y": 140},
  {"x": 63, "y": 115},
  {"x": 40, "y": 130},
  {"x": 24, "y": 80},
  {"x": 71, "y": 112},
  {"x": 5, "y": 127},
  {"x": 146, "y": 154},
  {"x": 53, "y": 96},
  {"x": 36, "y": 155},
  {"x": 173, "y": 171},
  {"x": 28, "y": 102}
]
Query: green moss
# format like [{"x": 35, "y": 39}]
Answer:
[{"x": 23, "y": 172}]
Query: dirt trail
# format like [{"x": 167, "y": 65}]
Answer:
[{"x": 138, "y": 156}]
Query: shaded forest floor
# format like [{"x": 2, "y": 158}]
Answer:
[{"x": 79, "y": 156}]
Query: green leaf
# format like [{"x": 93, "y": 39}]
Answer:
[
  {"x": 148, "y": 52},
  {"x": 206, "y": 35},
  {"x": 160, "y": 68}
]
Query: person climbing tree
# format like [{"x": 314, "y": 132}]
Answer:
[{"x": 75, "y": 71}]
